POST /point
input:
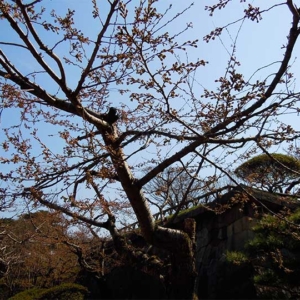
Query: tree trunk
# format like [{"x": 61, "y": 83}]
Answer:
[
  {"x": 183, "y": 268},
  {"x": 181, "y": 245},
  {"x": 177, "y": 242}
]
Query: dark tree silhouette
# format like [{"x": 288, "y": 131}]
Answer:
[{"x": 272, "y": 172}]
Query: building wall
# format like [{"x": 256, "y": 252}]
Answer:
[{"x": 216, "y": 234}]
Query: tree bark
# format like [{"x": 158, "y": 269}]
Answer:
[{"x": 176, "y": 241}]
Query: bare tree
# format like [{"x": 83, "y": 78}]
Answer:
[
  {"x": 170, "y": 187},
  {"x": 34, "y": 252},
  {"x": 72, "y": 151}
]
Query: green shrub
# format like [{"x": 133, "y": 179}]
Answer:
[
  {"x": 67, "y": 291},
  {"x": 28, "y": 294},
  {"x": 236, "y": 257},
  {"x": 274, "y": 253}
]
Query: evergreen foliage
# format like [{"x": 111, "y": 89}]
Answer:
[
  {"x": 274, "y": 173},
  {"x": 275, "y": 255}
]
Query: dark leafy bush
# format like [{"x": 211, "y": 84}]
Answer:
[
  {"x": 68, "y": 291},
  {"x": 275, "y": 255}
]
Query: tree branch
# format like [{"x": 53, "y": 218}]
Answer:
[
  {"x": 39, "y": 197},
  {"x": 62, "y": 82},
  {"x": 96, "y": 49}
]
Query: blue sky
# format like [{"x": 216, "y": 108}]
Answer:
[{"x": 258, "y": 45}]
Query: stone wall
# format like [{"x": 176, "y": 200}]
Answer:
[{"x": 216, "y": 234}]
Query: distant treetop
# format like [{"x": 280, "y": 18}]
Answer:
[{"x": 275, "y": 172}]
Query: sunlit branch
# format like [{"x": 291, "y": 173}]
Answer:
[
  {"x": 38, "y": 196},
  {"x": 140, "y": 149},
  {"x": 33, "y": 51},
  {"x": 104, "y": 203},
  {"x": 245, "y": 114},
  {"x": 13, "y": 44},
  {"x": 186, "y": 193},
  {"x": 62, "y": 81},
  {"x": 96, "y": 48},
  {"x": 276, "y": 160},
  {"x": 32, "y": 3}
]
